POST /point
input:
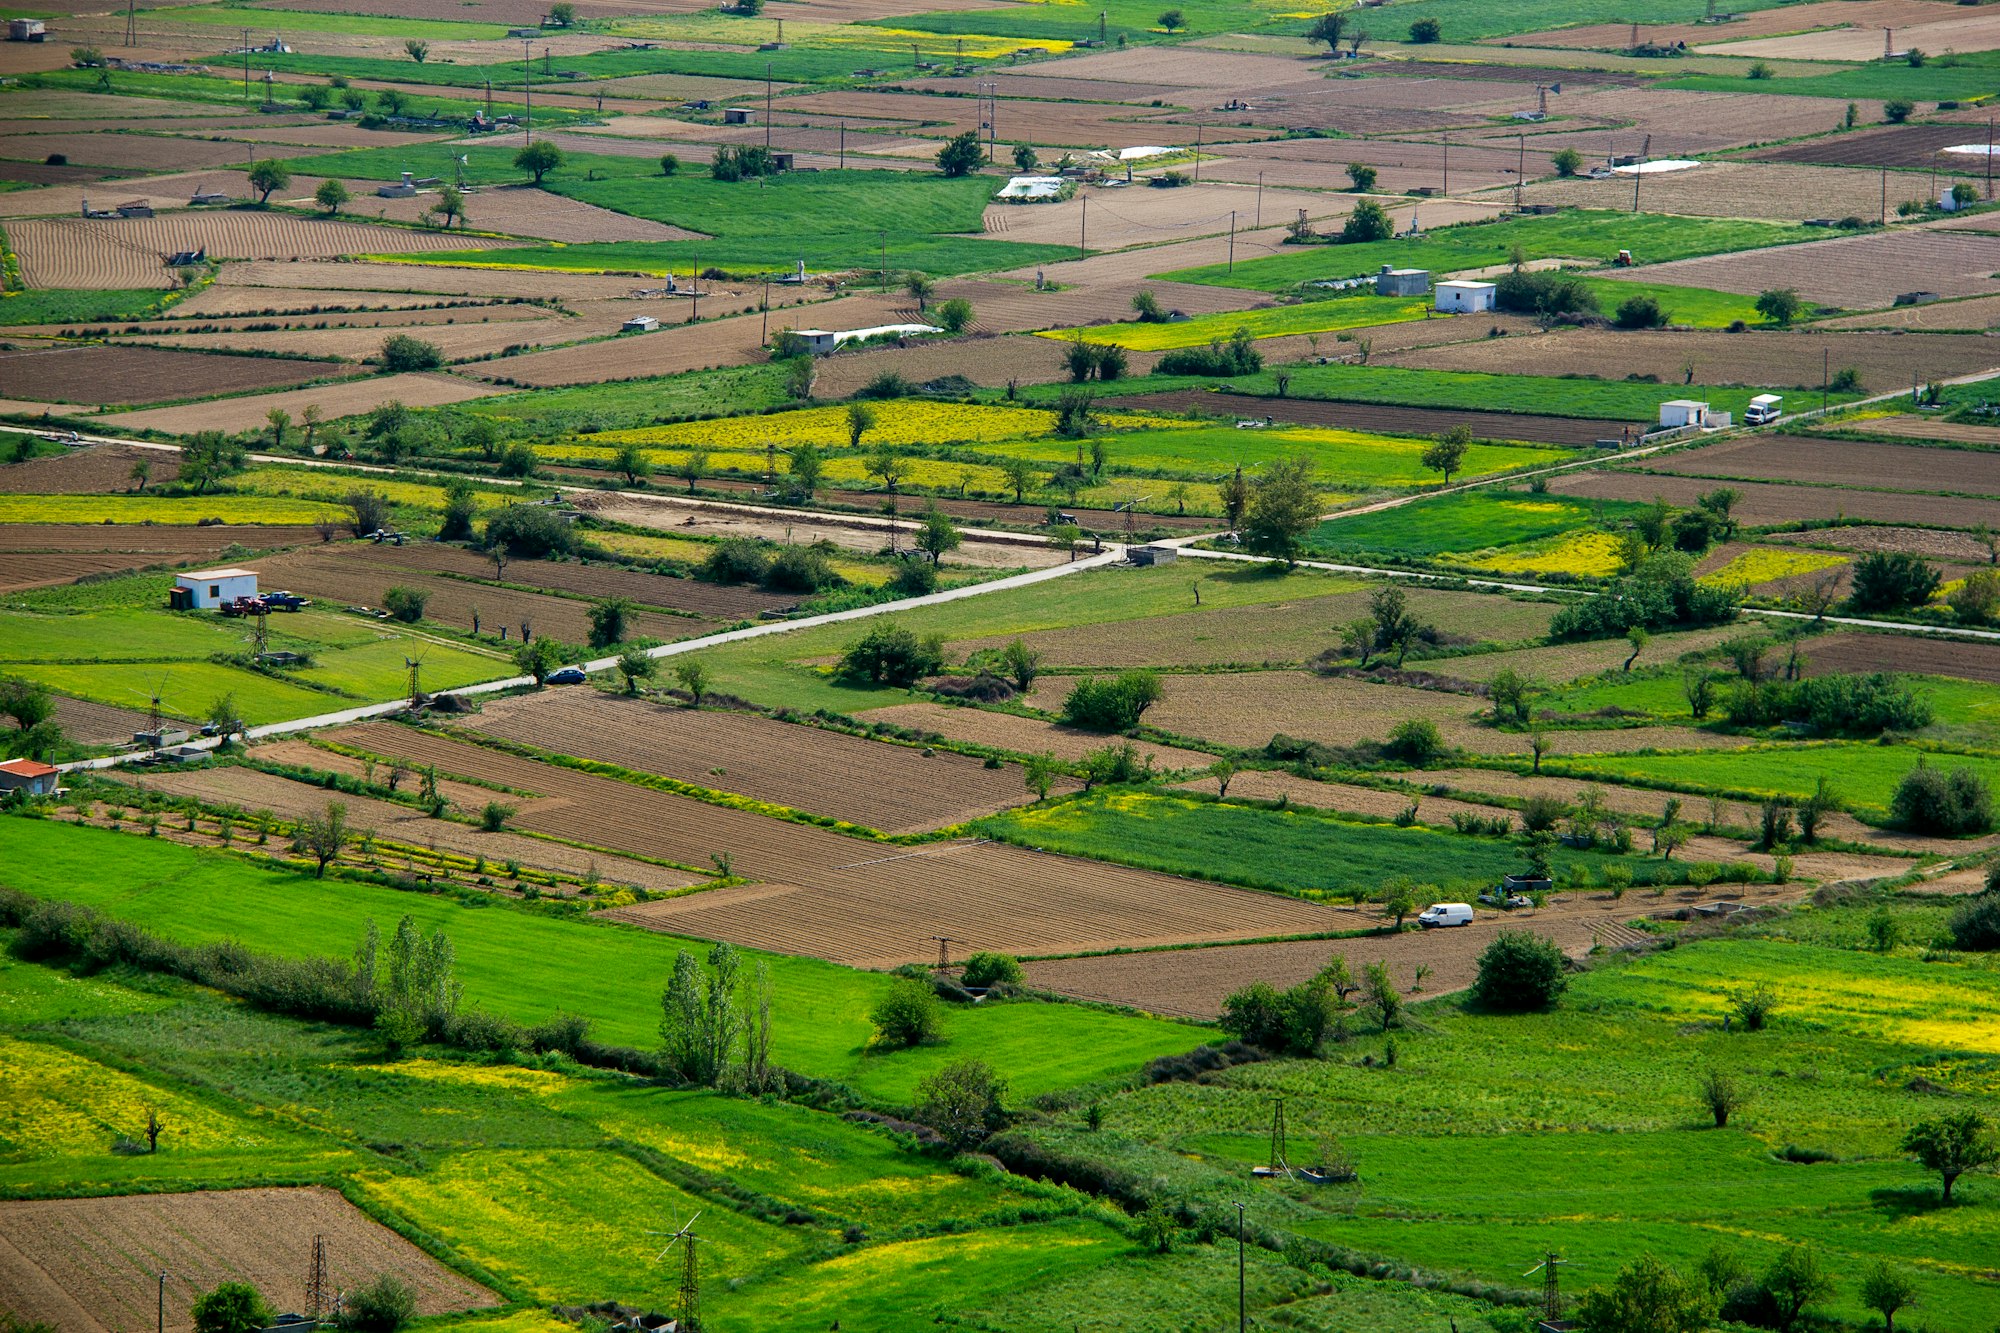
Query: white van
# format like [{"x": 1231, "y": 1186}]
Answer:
[{"x": 1446, "y": 914}]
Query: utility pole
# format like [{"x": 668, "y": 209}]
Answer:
[
  {"x": 131, "y": 22},
  {"x": 764, "y": 325},
  {"x": 1232, "y": 240},
  {"x": 1989, "y": 159},
  {"x": 1520, "y": 167},
  {"x": 1197, "y": 152},
  {"x": 1447, "y": 162},
  {"x": 1260, "y": 199},
  {"x": 694, "y": 285},
  {"x": 1825, "y": 376},
  {"x": 1638, "y": 174},
  {"x": 160, "y": 1315},
  {"x": 489, "y": 101},
  {"x": 246, "y": 64},
  {"x": 1885, "y": 196},
  {"x": 1083, "y": 229},
  {"x": 767, "y": 106},
  {"x": 883, "y": 236},
  {"x": 527, "y": 92},
  {"x": 1242, "y": 1289}
]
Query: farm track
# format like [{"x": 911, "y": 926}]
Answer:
[
  {"x": 854, "y": 901},
  {"x": 91, "y": 1265},
  {"x": 894, "y": 788}
]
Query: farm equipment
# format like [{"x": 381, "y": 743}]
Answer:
[
  {"x": 1624, "y": 259},
  {"x": 242, "y": 606}
]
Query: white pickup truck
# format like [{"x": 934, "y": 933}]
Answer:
[{"x": 1764, "y": 409}]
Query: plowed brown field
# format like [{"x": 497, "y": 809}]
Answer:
[
  {"x": 1841, "y": 462},
  {"x": 1024, "y": 735},
  {"x": 97, "y": 724},
  {"x": 716, "y": 601},
  {"x": 92, "y": 1265},
  {"x": 894, "y": 788},
  {"x": 362, "y": 394},
  {"x": 1919, "y": 654},
  {"x": 93, "y": 470},
  {"x": 1853, "y": 272},
  {"x": 147, "y": 374},
  {"x": 1763, "y": 504},
  {"x": 856, "y": 901}
]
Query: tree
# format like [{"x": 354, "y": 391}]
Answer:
[
  {"x": 1889, "y": 580},
  {"x": 701, "y": 1019},
  {"x": 1719, "y": 1096},
  {"x": 1976, "y": 597},
  {"x": 406, "y": 604},
  {"x": 920, "y": 287},
  {"x": 1368, "y": 222},
  {"x": 955, "y": 316},
  {"x": 609, "y": 619},
  {"x": 401, "y": 352},
  {"x": 1400, "y": 901},
  {"x": 1112, "y": 704},
  {"x": 1328, "y": 28},
  {"x": 1930, "y": 800},
  {"x": 1520, "y": 972},
  {"x": 331, "y": 195},
  {"x": 1647, "y": 1297},
  {"x": 1424, "y": 31},
  {"x": 961, "y": 155},
  {"x": 907, "y": 1014},
  {"x": 418, "y": 50},
  {"x": 562, "y": 14},
  {"x": 1780, "y": 305},
  {"x": 1148, "y": 307},
  {"x": 1378, "y": 991},
  {"x": 1886, "y": 1289},
  {"x": 1284, "y": 508},
  {"x": 450, "y": 206},
  {"x": 1447, "y": 451},
  {"x": 381, "y": 1305},
  {"x": 1040, "y": 771},
  {"x": 528, "y": 532},
  {"x": 1223, "y": 771},
  {"x": 961, "y": 1101},
  {"x": 1234, "y": 497},
  {"x": 635, "y": 665},
  {"x": 1897, "y": 110},
  {"x": 141, "y": 473},
  {"x": 232, "y": 1307},
  {"x": 1066, "y": 537},
  {"x": 633, "y": 463},
  {"x": 1953, "y": 1145},
  {"x": 937, "y": 535},
  {"x": 538, "y": 159},
  {"x": 322, "y": 835},
  {"x": 670, "y": 164},
  {"x": 1509, "y": 692},
  {"x": 1173, "y": 20},
  {"x": 1640, "y": 312},
  {"x": 691, "y": 674},
  {"x": 1157, "y": 1227},
  {"x": 693, "y": 466},
  {"x": 539, "y": 659},
  {"x": 208, "y": 457},
  {"x": 1638, "y": 638},
  {"x": 860, "y": 420},
  {"x": 1567, "y": 162},
  {"x": 1020, "y": 663},
  {"x": 268, "y": 177},
  {"x": 1361, "y": 177},
  {"x": 1798, "y": 1279},
  {"x": 891, "y": 655}
]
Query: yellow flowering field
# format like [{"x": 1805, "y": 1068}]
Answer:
[
  {"x": 975, "y": 46},
  {"x": 901, "y": 421},
  {"x": 1587, "y": 554},
  {"x": 188, "y": 509},
  {"x": 328, "y": 488},
  {"x": 497, "y": 1078},
  {"x": 1762, "y": 564},
  {"x": 58, "y": 1105}
]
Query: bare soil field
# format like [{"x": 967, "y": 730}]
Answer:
[
  {"x": 253, "y": 791},
  {"x": 1854, "y": 272},
  {"x": 330, "y": 576},
  {"x": 1382, "y": 419},
  {"x": 222, "y": 300},
  {"x": 333, "y": 400},
  {"x": 521, "y": 210},
  {"x": 139, "y": 151},
  {"x": 98, "y": 724},
  {"x": 894, "y": 788},
  {"x": 1867, "y": 15},
  {"x": 714, "y": 601},
  {"x": 92, "y": 1265},
  {"x": 77, "y": 252},
  {"x": 1007, "y": 307},
  {"x": 1763, "y": 504},
  {"x": 39, "y": 555},
  {"x": 1023, "y": 735},
  {"x": 1776, "y": 360},
  {"x": 857, "y": 901},
  {"x": 1841, "y": 462},
  {"x": 41, "y": 173},
  {"x": 1973, "y": 313},
  {"x": 1930, "y": 428},
  {"x": 1194, "y": 982},
  {"x": 1921, "y": 654},
  {"x": 428, "y": 279},
  {"x": 1886, "y": 146},
  {"x": 1070, "y": 125},
  {"x": 1270, "y": 634},
  {"x": 1778, "y": 191},
  {"x": 93, "y": 470},
  {"x": 121, "y": 375},
  {"x": 1946, "y": 31},
  {"x": 1927, "y": 542},
  {"x": 459, "y": 335},
  {"x": 990, "y": 362},
  {"x": 19, "y": 571}
]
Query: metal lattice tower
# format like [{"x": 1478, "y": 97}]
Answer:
[
  {"x": 1552, "y": 1301},
  {"x": 1278, "y": 1155},
  {"x": 690, "y": 1298},
  {"x": 317, "y": 1297}
]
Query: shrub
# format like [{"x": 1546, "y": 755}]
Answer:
[
  {"x": 1887, "y": 580},
  {"x": 1929, "y": 800},
  {"x": 1520, "y": 972},
  {"x": 1417, "y": 742},
  {"x": 1780, "y": 305},
  {"x": 737, "y": 560},
  {"x": 406, "y": 604},
  {"x": 1291, "y": 1022},
  {"x": 908, "y": 1014},
  {"x": 992, "y": 969},
  {"x": 1754, "y": 1006},
  {"x": 1113, "y": 704},
  {"x": 1547, "y": 294},
  {"x": 233, "y": 1307},
  {"x": 1238, "y": 356},
  {"x": 1640, "y": 312},
  {"x": 1540, "y": 813},
  {"x": 381, "y": 1306},
  {"x": 401, "y": 352},
  {"x": 801, "y": 569},
  {"x": 1897, "y": 110},
  {"x": 1424, "y": 31},
  {"x": 962, "y": 1102},
  {"x": 529, "y": 532},
  {"x": 892, "y": 655},
  {"x": 1975, "y": 924},
  {"x": 1567, "y": 162}
]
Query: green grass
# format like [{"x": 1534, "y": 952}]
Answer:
[
  {"x": 1864, "y": 775},
  {"x": 1589, "y": 234},
  {"x": 1346, "y": 460},
  {"x": 49, "y": 305},
  {"x": 229, "y": 91},
  {"x": 1278, "y": 322},
  {"x": 526, "y": 966},
  {"x": 635, "y": 402},
  {"x": 1463, "y": 522},
  {"x": 305, "y": 20},
  {"x": 939, "y": 256},
  {"x": 1698, "y": 306},
  {"x": 1469, "y": 20},
  {"x": 179, "y": 510},
  {"x": 1933, "y": 82},
  {"x": 1305, "y": 852},
  {"x": 189, "y": 688},
  {"x": 796, "y": 64}
]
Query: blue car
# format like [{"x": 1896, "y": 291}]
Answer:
[{"x": 568, "y": 676}]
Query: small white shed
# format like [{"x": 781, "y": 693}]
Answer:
[
  {"x": 1462, "y": 297},
  {"x": 208, "y": 589},
  {"x": 820, "y": 341},
  {"x": 640, "y": 324},
  {"x": 1683, "y": 412},
  {"x": 1402, "y": 281}
]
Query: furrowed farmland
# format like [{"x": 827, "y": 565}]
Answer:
[{"x": 1012, "y": 669}]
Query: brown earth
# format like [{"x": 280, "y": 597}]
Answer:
[
  {"x": 1763, "y": 504},
  {"x": 147, "y": 374},
  {"x": 1381, "y": 419},
  {"x": 1853, "y": 272},
  {"x": 1926, "y": 542},
  {"x": 92, "y": 470},
  {"x": 1973, "y": 314},
  {"x": 1841, "y": 463},
  {"x": 362, "y": 394},
  {"x": 1919, "y": 654},
  {"x": 894, "y": 788},
  {"x": 1571, "y": 661},
  {"x": 41, "y": 555},
  {"x": 92, "y": 1265},
  {"x": 1883, "y": 146},
  {"x": 1024, "y": 735},
  {"x": 98, "y": 724},
  {"x": 856, "y": 901},
  {"x": 137, "y": 151},
  {"x": 1777, "y": 191},
  {"x": 1928, "y": 428},
  {"x": 1765, "y": 359},
  {"x": 715, "y": 601},
  {"x": 1869, "y": 15}
]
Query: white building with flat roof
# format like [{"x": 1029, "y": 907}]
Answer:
[
  {"x": 1464, "y": 297},
  {"x": 207, "y": 589}
]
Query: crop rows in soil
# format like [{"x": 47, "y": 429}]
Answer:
[
  {"x": 333, "y": 400},
  {"x": 895, "y": 788},
  {"x": 1024, "y": 735},
  {"x": 1381, "y": 419},
  {"x": 861, "y": 902},
  {"x": 337, "y": 577},
  {"x": 146, "y": 374},
  {"x": 1930, "y": 543},
  {"x": 1919, "y": 654},
  {"x": 93, "y": 1265},
  {"x": 1852, "y": 272},
  {"x": 95, "y": 723},
  {"x": 1763, "y": 504},
  {"x": 712, "y": 600},
  {"x": 1889, "y": 146},
  {"x": 1841, "y": 462}
]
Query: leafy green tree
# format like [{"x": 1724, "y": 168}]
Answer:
[
  {"x": 208, "y": 458},
  {"x": 232, "y": 1307},
  {"x": 635, "y": 664},
  {"x": 907, "y": 1014},
  {"x": 1040, "y": 772},
  {"x": 1328, "y": 28},
  {"x": 860, "y": 420},
  {"x": 700, "y": 1017},
  {"x": 1719, "y": 1096},
  {"x": 539, "y": 658},
  {"x": 1885, "y": 1289},
  {"x": 1890, "y": 580},
  {"x": 381, "y": 1305},
  {"x": 563, "y": 14},
  {"x": 1952, "y": 1145},
  {"x": 1897, "y": 110},
  {"x": 1799, "y": 1280},
  {"x": 1361, "y": 177},
  {"x": 401, "y": 352},
  {"x": 1173, "y": 20},
  {"x": 1510, "y": 692},
  {"x": 268, "y": 177},
  {"x": 1025, "y": 158},
  {"x": 992, "y": 969},
  {"x": 1424, "y": 31},
  {"x": 955, "y": 316},
  {"x": 1931, "y": 800},
  {"x": 1446, "y": 452},
  {"x": 1112, "y": 704},
  {"x": 1400, "y": 901},
  {"x": 937, "y": 534},
  {"x": 406, "y": 604},
  {"x": 1284, "y": 509},
  {"x": 1520, "y": 972},
  {"x": 961, "y": 1101},
  {"x": 417, "y": 49},
  {"x": 633, "y": 463},
  {"x": 691, "y": 674},
  {"x": 1020, "y": 663},
  {"x": 1368, "y": 222},
  {"x": 331, "y": 195},
  {"x": 528, "y": 532},
  {"x": 1647, "y": 1297},
  {"x": 961, "y": 155},
  {"x": 609, "y": 621},
  {"x": 538, "y": 159},
  {"x": 1780, "y": 305},
  {"x": 450, "y": 206},
  {"x": 892, "y": 655},
  {"x": 1567, "y": 162},
  {"x": 1640, "y": 312}
]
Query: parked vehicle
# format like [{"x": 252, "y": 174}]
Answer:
[
  {"x": 568, "y": 676},
  {"x": 1446, "y": 914},
  {"x": 1510, "y": 901},
  {"x": 1764, "y": 409},
  {"x": 285, "y": 601}
]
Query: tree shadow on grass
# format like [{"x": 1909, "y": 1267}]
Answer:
[{"x": 1906, "y": 1201}]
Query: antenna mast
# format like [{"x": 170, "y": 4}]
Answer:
[
  {"x": 1279, "y": 1164},
  {"x": 316, "y": 1280}
]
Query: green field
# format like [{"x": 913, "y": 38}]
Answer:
[
  {"x": 1968, "y": 78},
  {"x": 1697, "y": 306},
  {"x": 526, "y": 966},
  {"x": 1464, "y": 522},
  {"x": 1588, "y": 234},
  {"x": 1469, "y": 20},
  {"x": 1277, "y": 322},
  {"x": 1865, "y": 776},
  {"x": 305, "y": 20}
]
